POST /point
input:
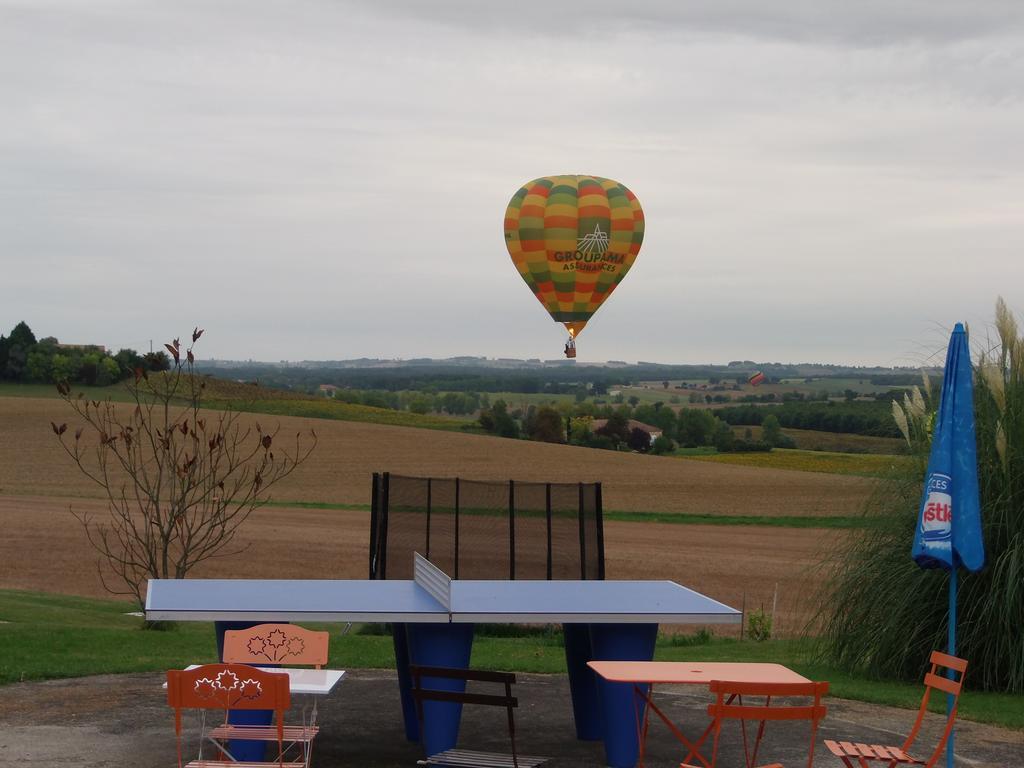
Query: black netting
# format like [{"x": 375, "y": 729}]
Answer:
[{"x": 486, "y": 530}]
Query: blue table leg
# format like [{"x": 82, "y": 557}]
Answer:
[
  {"x": 401, "y": 642},
  {"x": 621, "y": 642},
  {"x": 244, "y": 750},
  {"x": 440, "y": 645},
  {"x": 586, "y": 710}
]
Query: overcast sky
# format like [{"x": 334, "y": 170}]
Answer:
[{"x": 822, "y": 181}]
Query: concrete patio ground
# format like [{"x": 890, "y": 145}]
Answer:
[{"x": 123, "y": 720}]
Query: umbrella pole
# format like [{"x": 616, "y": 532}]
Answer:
[{"x": 951, "y": 649}]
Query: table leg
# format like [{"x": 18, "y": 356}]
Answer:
[
  {"x": 400, "y": 639},
  {"x": 244, "y": 750},
  {"x": 440, "y": 645},
  {"x": 586, "y": 708},
  {"x": 621, "y": 642},
  {"x": 692, "y": 746}
]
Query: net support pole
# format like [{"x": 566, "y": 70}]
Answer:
[
  {"x": 456, "y": 574},
  {"x": 599, "y": 519},
  {"x": 512, "y": 529},
  {"x": 427, "y": 555},
  {"x": 951, "y": 649},
  {"x": 583, "y": 537},
  {"x": 385, "y": 512},
  {"x": 547, "y": 511},
  {"x": 374, "y": 512}
]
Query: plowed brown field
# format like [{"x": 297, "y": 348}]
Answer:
[
  {"x": 44, "y": 548},
  {"x": 32, "y": 463}
]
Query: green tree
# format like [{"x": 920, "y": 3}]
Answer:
[
  {"x": 639, "y": 440},
  {"x": 696, "y": 427},
  {"x": 634, "y": 400},
  {"x": 127, "y": 360},
  {"x": 62, "y": 368},
  {"x": 89, "y": 369},
  {"x": 156, "y": 361},
  {"x": 616, "y": 429},
  {"x": 420, "y": 403},
  {"x": 724, "y": 440},
  {"x": 546, "y": 426},
  {"x": 662, "y": 445},
  {"x": 771, "y": 431},
  {"x": 580, "y": 431},
  {"x": 19, "y": 344},
  {"x": 39, "y": 364},
  {"x": 108, "y": 371},
  {"x": 496, "y": 419}
]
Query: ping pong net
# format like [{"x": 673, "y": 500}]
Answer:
[{"x": 433, "y": 580}]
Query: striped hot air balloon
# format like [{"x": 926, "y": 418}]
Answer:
[
  {"x": 573, "y": 239},
  {"x": 756, "y": 378}
]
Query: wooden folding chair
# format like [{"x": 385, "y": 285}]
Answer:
[
  {"x": 285, "y": 644},
  {"x": 727, "y": 693},
  {"x": 463, "y": 757},
  {"x": 857, "y": 754},
  {"x": 225, "y": 687}
]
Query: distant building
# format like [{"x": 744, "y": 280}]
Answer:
[
  {"x": 652, "y": 432},
  {"x": 84, "y": 347},
  {"x": 327, "y": 390}
]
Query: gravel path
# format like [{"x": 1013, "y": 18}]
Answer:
[{"x": 123, "y": 720}]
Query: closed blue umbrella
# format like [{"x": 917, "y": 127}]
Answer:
[{"x": 948, "y": 533}]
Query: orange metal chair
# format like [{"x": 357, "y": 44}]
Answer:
[
  {"x": 856, "y": 754},
  {"x": 224, "y": 687},
  {"x": 276, "y": 644},
  {"x": 286, "y": 644},
  {"x": 724, "y": 708}
]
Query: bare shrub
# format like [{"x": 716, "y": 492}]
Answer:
[{"x": 179, "y": 481}]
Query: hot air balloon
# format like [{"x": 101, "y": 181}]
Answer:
[{"x": 573, "y": 239}]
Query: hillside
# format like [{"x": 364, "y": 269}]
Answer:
[{"x": 32, "y": 463}]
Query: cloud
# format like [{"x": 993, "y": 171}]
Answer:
[{"x": 322, "y": 179}]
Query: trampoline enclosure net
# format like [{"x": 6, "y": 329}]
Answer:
[{"x": 476, "y": 529}]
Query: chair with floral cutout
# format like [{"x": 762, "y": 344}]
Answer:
[
  {"x": 272, "y": 644},
  {"x": 225, "y": 687}
]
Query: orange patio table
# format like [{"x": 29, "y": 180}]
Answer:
[{"x": 644, "y": 675}]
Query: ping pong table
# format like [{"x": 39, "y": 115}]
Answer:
[{"x": 433, "y": 618}]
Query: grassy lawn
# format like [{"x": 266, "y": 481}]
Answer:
[{"x": 55, "y": 636}]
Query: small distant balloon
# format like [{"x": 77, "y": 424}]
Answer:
[
  {"x": 756, "y": 379},
  {"x": 573, "y": 239}
]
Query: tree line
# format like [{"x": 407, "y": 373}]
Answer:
[
  {"x": 24, "y": 359},
  {"x": 608, "y": 427},
  {"x": 864, "y": 418}
]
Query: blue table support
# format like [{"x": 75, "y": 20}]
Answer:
[
  {"x": 244, "y": 750},
  {"x": 621, "y": 642},
  {"x": 433, "y": 645},
  {"x": 586, "y": 706}
]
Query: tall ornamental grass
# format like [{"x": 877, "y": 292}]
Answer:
[{"x": 882, "y": 615}]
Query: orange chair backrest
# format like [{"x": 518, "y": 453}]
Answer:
[
  {"x": 934, "y": 679},
  {"x": 727, "y": 692},
  {"x": 227, "y": 686},
  {"x": 276, "y": 644}
]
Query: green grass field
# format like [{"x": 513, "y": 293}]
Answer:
[
  {"x": 337, "y": 410},
  {"x": 860, "y": 464},
  {"x": 55, "y": 636},
  {"x": 252, "y": 399}
]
